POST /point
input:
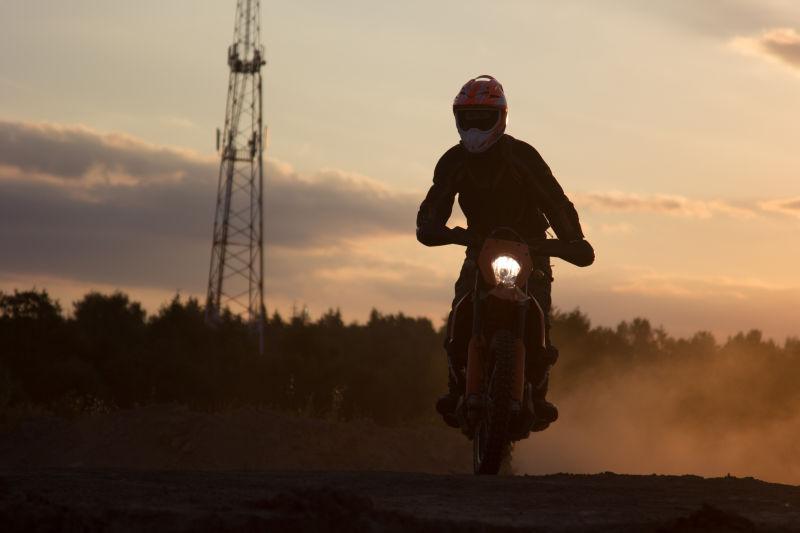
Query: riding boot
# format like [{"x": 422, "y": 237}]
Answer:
[
  {"x": 538, "y": 374},
  {"x": 447, "y": 403}
]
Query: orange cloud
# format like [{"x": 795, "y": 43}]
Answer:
[
  {"x": 696, "y": 287},
  {"x": 784, "y": 206},
  {"x": 667, "y": 204}
]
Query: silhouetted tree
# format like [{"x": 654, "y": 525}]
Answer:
[{"x": 389, "y": 369}]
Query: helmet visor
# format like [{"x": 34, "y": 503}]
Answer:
[{"x": 482, "y": 119}]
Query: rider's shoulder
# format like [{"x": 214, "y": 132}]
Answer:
[
  {"x": 449, "y": 161},
  {"x": 523, "y": 150},
  {"x": 454, "y": 153}
]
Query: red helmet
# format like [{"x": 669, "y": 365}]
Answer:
[{"x": 481, "y": 113}]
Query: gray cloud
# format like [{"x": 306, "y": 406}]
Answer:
[
  {"x": 333, "y": 206},
  {"x": 784, "y": 45},
  {"x": 110, "y": 208},
  {"x": 781, "y": 44},
  {"x": 79, "y": 153}
]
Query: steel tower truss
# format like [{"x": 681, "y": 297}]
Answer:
[{"x": 236, "y": 274}]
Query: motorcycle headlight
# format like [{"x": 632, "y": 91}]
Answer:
[{"x": 506, "y": 269}]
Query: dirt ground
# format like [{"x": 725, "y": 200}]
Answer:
[
  {"x": 137, "y": 500},
  {"x": 170, "y": 469},
  {"x": 170, "y": 437}
]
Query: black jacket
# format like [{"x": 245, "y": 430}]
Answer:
[{"x": 509, "y": 185}]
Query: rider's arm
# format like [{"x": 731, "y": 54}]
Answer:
[
  {"x": 433, "y": 214},
  {"x": 435, "y": 210},
  {"x": 571, "y": 245}
]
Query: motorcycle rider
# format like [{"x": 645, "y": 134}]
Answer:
[{"x": 499, "y": 181}]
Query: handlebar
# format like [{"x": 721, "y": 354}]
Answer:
[{"x": 578, "y": 252}]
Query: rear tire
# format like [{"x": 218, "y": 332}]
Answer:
[{"x": 490, "y": 444}]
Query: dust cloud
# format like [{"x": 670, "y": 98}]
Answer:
[{"x": 732, "y": 412}]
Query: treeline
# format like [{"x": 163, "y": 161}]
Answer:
[{"x": 107, "y": 353}]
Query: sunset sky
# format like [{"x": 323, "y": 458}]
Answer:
[{"x": 673, "y": 126}]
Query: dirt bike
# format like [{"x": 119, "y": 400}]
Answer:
[{"x": 503, "y": 328}]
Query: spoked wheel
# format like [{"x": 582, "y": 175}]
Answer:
[{"x": 490, "y": 444}]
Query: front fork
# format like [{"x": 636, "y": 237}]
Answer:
[{"x": 478, "y": 353}]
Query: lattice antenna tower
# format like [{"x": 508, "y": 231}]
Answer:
[{"x": 236, "y": 274}]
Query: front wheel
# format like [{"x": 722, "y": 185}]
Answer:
[{"x": 491, "y": 444}]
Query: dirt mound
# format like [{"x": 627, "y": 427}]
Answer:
[
  {"x": 711, "y": 520},
  {"x": 326, "y": 509},
  {"x": 166, "y": 437}
]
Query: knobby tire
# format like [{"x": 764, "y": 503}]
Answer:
[{"x": 491, "y": 443}]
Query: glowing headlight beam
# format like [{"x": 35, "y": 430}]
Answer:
[{"x": 506, "y": 269}]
